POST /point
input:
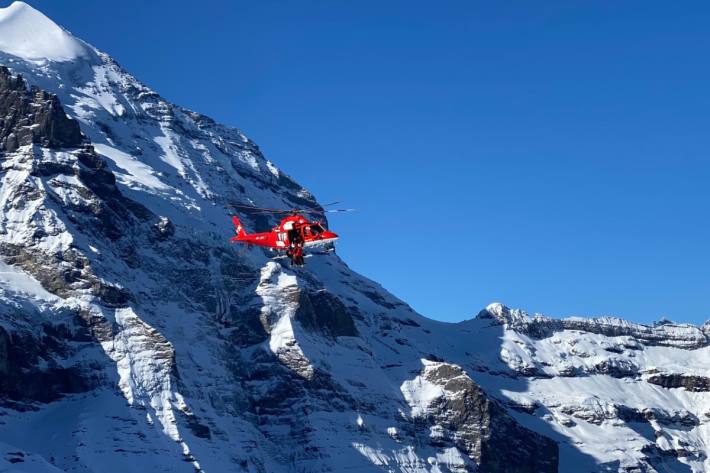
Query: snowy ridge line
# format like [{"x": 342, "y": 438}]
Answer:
[{"x": 664, "y": 333}]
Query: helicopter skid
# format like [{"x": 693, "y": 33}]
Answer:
[{"x": 319, "y": 243}]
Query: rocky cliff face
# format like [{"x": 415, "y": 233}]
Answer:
[
  {"x": 632, "y": 394},
  {"x": 455, "y": 413},
  {"x": 33, "y": 116},
  {"x": 134, "y": 337}
]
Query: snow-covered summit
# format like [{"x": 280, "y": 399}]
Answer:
[{"x": 30, "y": 35}]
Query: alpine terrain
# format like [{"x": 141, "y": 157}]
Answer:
[{"x": 134, "y": 337}]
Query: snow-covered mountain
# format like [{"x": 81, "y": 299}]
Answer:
[{"x": 134, "y": 337}]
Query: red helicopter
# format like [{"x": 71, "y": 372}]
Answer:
[{"x": 292, "y": 235}]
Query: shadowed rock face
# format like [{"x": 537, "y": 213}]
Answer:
[
  {"x": 324, "y": 312},
  {"x": 21, "y": 378},
  {"x": 689, "y": 382},
  {"x": 33, "y": 116},
  {"x": 674, "y": 419}
]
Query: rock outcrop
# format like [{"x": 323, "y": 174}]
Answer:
[
  {"x": 460, "y": 414},
  {"x": 33, "y": 116},
  {"x": 677, "y": 380}
]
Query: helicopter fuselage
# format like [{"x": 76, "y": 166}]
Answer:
[{"x": 294, "y": 228}]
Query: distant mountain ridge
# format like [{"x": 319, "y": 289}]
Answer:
[{"x": 135, "y": 337}]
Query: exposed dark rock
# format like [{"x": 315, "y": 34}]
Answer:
[
  {"x": 408, "y": 322},
  {"x": 63, "y": 274},
  {"x": 196, "y": 427},
  {"x": 109, "y": 207},
  {"x": 675, "y": 380},
  {"x": 378, "y": 299},
  {"x": 481, "y": 427},
  {"x": 247, "y": 329},
  {"x": 677, "y": 419},
  {"x": 22, "y": 378},
  {"x": 529, "y": 408},
  {"x": 322, "y": 311},
  {"x": 164, "y": 229},
  {"x": 433, "y": 357},
  {"x": 617, "y": 368},
  {"x": 33, "y": 116},
  {"x": 58, "y": 273},
  {"x": 631, "y": 414},
  {"x": 110, "y": 295},
  {"x": 36, "y": 117},
  {"x": 4, "y": 353},
  {"x": 667, "y": 460}
]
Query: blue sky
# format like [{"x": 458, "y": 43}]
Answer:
[{"x": 549, "y": 155}]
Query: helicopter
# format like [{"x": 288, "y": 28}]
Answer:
[{"x": 294, "y": 233}]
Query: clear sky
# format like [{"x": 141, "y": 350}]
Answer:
[{"x": 550, "y": 155}]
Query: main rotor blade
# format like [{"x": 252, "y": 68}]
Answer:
[
  {"x": 333, "y": 211},
  {"x": 257, "y": 209},
  {"x": 254, "y": 209}
]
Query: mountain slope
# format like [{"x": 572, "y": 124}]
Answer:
[{"x": 133, "y": 336}]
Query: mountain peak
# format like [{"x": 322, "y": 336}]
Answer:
[{"x": 27, "y": 33}]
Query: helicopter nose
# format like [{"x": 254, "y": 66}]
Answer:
[{"x": 326, "y": 235}]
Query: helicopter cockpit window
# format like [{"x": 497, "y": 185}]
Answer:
[{"x": 316, "y": 229}]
